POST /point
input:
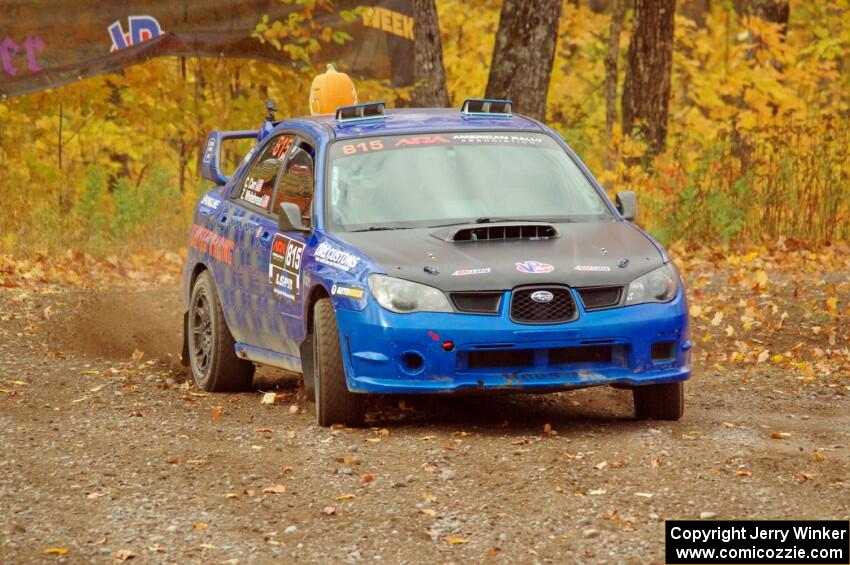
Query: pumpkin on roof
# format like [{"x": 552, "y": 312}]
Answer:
[{"x": 330, "y": 90}]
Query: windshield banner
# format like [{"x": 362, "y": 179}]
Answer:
[{"x": 44, "y": 43}]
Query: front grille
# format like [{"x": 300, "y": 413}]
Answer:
[
  {"x": 600, "y": 297},
  {"x": 526, "y": 310},
  {"x": 477, "y": 302}
]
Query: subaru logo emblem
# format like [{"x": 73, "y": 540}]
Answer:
[{"x": 542, "y": 296}]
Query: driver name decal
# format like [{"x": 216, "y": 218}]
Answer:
[
  {"x": 593, "y": 268},
  {"x": 285, "y": 267}
]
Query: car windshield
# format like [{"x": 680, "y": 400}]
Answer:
[{"x": 452, "y": 178}]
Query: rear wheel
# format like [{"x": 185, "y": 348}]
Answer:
[
  {"x": 659, "y": 402},
  {"x": 212, "y": 356},
  {"x": 335, "y": 404}
]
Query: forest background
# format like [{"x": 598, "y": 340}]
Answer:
[{"x": 752, "y": 145}]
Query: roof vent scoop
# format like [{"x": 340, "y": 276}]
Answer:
[
  {"x": 486, "y": 107},
  {"x": 497, "y": 232}
]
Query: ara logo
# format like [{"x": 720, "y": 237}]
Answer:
[
  {"x": 140, "y": 28},
  {"x": 534, "y": 267}
]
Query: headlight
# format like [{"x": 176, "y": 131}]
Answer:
[
  {"x": 398, "y": 295},
  {"x": 660, "y": 285}
]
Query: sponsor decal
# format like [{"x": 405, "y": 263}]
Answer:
[
  {"x": 465, "y": 272},
  {"x": 542, "y": 296},
  {"x": 285, "y": 267},
  {"x": 593, "y": 268},
  {"x": 216, "y": 246},
  {"x": 253, "y": 184},
  {"x": 348, "y": 291},
  {"x": 623, "y": 263},
  {"x": 332, "y": 256},
  {"x": 534, "y": 267},
  {"x": 363, "y": 147},
  {"x": 500, "y": 139},
  {"x": 210, "y": 202}
]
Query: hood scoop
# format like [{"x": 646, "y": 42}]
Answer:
[{"x": 497, "y": 232}]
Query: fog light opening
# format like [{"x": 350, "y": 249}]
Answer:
[
  {"x": 412, "y": 362},
  {"x": 663, "y": 351}
]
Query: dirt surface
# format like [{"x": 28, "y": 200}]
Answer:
[{"x": 107, "y": 452}]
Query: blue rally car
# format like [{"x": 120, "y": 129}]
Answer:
[{"x": 427, "y": 251}]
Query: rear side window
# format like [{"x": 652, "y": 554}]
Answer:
[
  {"x": 296, "y": 183},
  {"x": 258, "y": 184}
]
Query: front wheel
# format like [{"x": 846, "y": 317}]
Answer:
[
  {"x": 212, "y": 356},
  {"x": 335, "y": 404},
  {"x": 659, "y": 402}
]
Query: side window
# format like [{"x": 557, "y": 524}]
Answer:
[
  {"x": 258, "y": 184},
  {"x": 296, "y": 184}
]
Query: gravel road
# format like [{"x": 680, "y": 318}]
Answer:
[{"x": 107, "y": 456}]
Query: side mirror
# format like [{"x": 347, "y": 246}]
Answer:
[
  {"x": 627, "y": 205},
  {"x": 289, "y": 218}
]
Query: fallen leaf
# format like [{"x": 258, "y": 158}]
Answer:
[
  {"x": 601, "y": 466},
  {"x": 763, "y": 356},
  {"x": 56, "y": 550},
  {"x": 328, "y": 510},
  {"x": 231, "y": 495},
  {"x": 806, "y": 476},
  {"x": 199, "y": 526},
  {"x": 269, "y": 398},
  {"x": 644, "y": 494},
  {"x": 547, "y": 428},
  {"x": 428, "y": 497},
  {"x": 780, "y": 435},
  {"x": 428, "y": 512},
  {"x": 373, "y": 439},
  {"x": 742, "y": 473},
  {"x": 217, "y": 412},
  {"x": 367, "y": 478},
  {"x": 346, "y": 497},
  {"x": 820, "y": 457},
  {"x": 264, "y": 430},
  {"x": 456, "y": 540},
  {"x": 597, "y": 491},
  {"x": 123, "y": 555},
  {"x": 275, "y": 489}
]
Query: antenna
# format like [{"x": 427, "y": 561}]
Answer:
[{"x": 272, "y": 108}]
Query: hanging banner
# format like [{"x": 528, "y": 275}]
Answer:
[{"x": 45, "y": 43}]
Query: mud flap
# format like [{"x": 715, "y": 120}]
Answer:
[
  {"x": 184, "y": 354},
  {"x": 307, "y": 368}
]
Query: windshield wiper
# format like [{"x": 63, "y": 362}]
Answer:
[{"x": 381, "y": 228}]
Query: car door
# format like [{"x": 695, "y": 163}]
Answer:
[
  {"x": 253, "y": 226},
  {"x": 286, "y": 280}
]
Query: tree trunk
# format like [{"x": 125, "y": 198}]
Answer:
[
  {"x": 646, "y": 93},
  {"x": 429, "y": 74},
  {"x": 524, "y": 53},
  {"x": 618, "y": 11}
]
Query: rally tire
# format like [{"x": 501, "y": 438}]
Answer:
[
  {"x": 659, "y": 402},
  {"x": 335, "y": 404},
  {"x": 212, "y": 353}
]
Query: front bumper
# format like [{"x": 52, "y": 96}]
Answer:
[{"x": 388, "y": 353}]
